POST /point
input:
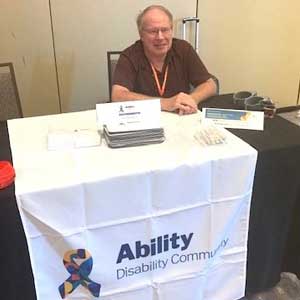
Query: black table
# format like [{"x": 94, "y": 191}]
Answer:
[
  {"x": 274, "y": 238},
  {"x": 16, "y": 279},
  {"x": 275, "y": 207}
]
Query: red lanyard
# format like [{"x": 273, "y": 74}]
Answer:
[{"x": 161, "y": 89}]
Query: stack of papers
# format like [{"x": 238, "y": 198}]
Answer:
[
  {"x": 118, "y": 139},
  {"x": 131, "y": 123}
]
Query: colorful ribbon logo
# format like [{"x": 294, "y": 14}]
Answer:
[{"x": 79, "y": 273}]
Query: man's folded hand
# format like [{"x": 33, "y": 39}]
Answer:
[{"x": 182, "y": 103}]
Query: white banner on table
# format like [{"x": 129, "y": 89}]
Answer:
[{"x": 175, "y": 230}]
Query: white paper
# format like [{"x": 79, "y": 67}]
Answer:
[
  {"x": 86, "y": 138},
  {"x": 62, "y": 139}
]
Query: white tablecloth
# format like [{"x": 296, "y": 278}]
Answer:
[{"x": 163, "y": 222}]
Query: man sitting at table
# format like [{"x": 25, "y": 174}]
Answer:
[{"x": 161, "y": 66}]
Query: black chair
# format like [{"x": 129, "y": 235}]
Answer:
[
  {"x": 112, "y": 59},
  {"x": 216, "y": 80},
  {"x": 10, "y": 106},
  {"x": 290, "y": 113},
  {"x": 288, "y": 109}
]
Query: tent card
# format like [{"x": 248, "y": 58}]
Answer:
[
  {"x": 129, "y": 115},
  {"x": 230, "y": 118}
]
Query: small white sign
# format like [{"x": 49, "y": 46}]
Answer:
[
  {"x": 230, "y": 118},
  {"x": 129, "y": 115}
]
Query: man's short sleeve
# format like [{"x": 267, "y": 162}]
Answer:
[{"x": 197, "y": 71}]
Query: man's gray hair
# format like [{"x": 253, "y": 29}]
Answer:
[{"x": 139, "y": 19}]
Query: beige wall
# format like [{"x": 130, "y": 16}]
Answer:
[
  {"x": 253, "y": 45},
  {"x": 247, "y": 44},
  {"x": 26, "y": 41}
]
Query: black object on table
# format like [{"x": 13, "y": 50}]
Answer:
[
  {"x": 275, "y": 210},
  {"x": 273, "y": 238}
]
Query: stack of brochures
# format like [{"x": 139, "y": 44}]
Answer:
[
  {"x": 118, "y": 139},
  {"x": 210, "y": 135}
]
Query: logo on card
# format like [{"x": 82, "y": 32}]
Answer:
[{"x": 79, "y": 273}]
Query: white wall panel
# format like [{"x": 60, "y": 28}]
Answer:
[
  {"x": 253, "y": 45},
  {"x": 27, "y": 42}
]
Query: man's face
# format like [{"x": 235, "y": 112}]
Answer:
[{"x": 156, "y": 33}]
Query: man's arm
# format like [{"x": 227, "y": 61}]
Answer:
[
  {"x": 121, "y": 93},
  {"x": 204, "y": 91},
  {"x": 190, "y": 101},
  {"x": 181, "y": 103}
]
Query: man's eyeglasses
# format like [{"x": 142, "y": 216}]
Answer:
[{"x": 156, "y": 31}]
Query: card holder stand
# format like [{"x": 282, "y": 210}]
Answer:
[{"x": 249, "y": 100}]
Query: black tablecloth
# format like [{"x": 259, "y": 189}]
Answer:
[
  {"x": 273, "y": 244},
  {"x": 275, "y": 207},
  {"x": 16, "y": 279}
]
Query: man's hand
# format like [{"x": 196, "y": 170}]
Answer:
[{"x": 182, "y": 103}]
